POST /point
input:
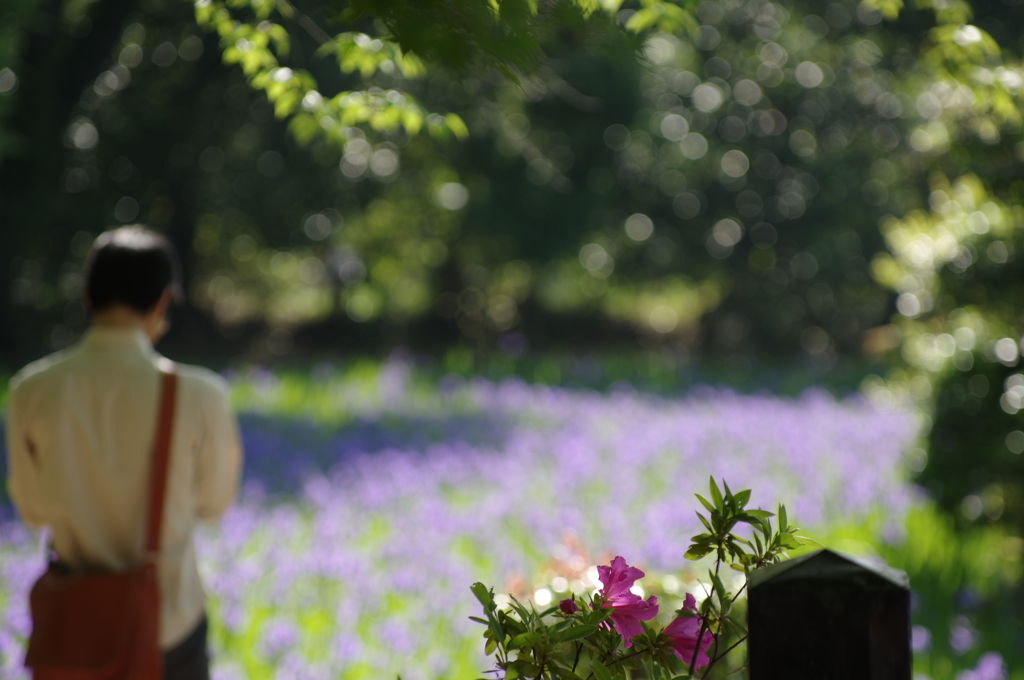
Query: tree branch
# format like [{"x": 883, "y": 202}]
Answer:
[{"x": 724, "y": 654}]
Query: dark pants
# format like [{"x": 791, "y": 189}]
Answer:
[{"x": 189, "y": 660}]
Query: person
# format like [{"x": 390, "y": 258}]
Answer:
[{"x": 80, "y": 431}]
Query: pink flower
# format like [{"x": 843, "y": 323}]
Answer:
[
  {"x": 626, "y": 616},
  {"x": 682, "y": 634},
  {"x": 568, "y": 606},
  {"x": 617, "y": 579},
  {"x": 628, "y": 609}
]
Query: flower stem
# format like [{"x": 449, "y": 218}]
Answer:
[
  {"x": 703, "y": 620},
  {"x": 723, "y": 655},
  {"x": 629, "y": 656}
]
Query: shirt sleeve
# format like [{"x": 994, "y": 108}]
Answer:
[
  {"x": 23, "y": 474},
  {"x": 219, "y": 461}
]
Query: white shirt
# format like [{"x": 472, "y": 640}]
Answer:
[{"x": 80, "y": 430}]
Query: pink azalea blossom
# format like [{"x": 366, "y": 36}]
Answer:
[
  {"x": 617, "y": 579},
  {"x": 682, "y": 634},
  {"x": 628, "y": 609},
  {"x": 568, "y": 606}
]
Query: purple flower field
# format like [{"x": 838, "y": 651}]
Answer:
[{"x": 372, "y": 502}]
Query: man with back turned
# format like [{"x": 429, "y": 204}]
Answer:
[{"x": 80, "y": 432}]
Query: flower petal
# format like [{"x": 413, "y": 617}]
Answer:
[
  {"x": 626, "y": 616},
  {"x": 618, "y": 578},
  {"x": 682, "y": 634}
]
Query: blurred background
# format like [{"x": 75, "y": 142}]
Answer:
[{"x": 372, "y": 198}]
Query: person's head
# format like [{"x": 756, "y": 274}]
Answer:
[{"x": 132, "y": 272}]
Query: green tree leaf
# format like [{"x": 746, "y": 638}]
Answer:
[
  {"x": 577, "y": 632},
  {"x": 716, "y": 495}
]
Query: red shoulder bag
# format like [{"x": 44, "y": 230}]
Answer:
[{"x": 102, "y": 625}]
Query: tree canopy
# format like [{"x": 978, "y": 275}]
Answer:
[{"x": 831, "y": 185}]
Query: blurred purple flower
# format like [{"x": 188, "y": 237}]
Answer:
[
  {"x": 920, "y": 639},
  {"x": 990, "y": 667},
  {"x": 962, "y": 636},
  {"x": 682, "y": 634},
  {"x": 568, "y": 606},
  {"x": 351, "y": 495},
  {"x": 279, "y": 635}
]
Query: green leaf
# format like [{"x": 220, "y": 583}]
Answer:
[
  {"x": 742, "y": 497},
  {"x": 719, "y": 590},
  {"x": 549, "y": 611},
  {"x": 578, "y": 632},
  {"x": 562, "y": 626},
  {"x": 522, "y": 640},
  {"x": 485, "y": 596},
  {"x": 490, "y": 647},
  {"x": 524, "y": 614},
  {"x": 645, "y": 18},
  {"x": 705, "y": 502},
  {"x": 890, "y": 9},
  {"x": 565, "y": 673},
  {"x": 716, "y": 495},
  {"x": 697, "y": 551},
  {"x": 525, "y": 668},
  {"x": 493, "y": 622},
  {"x": 456, "y": 125},
  {"x": 600, "y": 671},
  {"x": 513, "y": 627},
  {"x": 740, "y": 539},
  {"x": 783, "y": 520},
  {"x": 496, "y": 630},
  {"x": 478, "y": 620},
  {"x": 790, "y": 541},
  {"x": 587, "y": 7}
]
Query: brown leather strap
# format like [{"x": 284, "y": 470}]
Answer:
[{"x": 161, "y": 456}]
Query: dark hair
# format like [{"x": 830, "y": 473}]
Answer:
[{"x": 132, "y": 266}]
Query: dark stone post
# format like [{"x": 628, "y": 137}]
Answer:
[{"x": 827, "y": 616}]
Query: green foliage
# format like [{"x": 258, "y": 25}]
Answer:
[
  {"x": 498, "y": 33},
  {"x": 666, "y": 17},
  {"x": 890, "y": 9},
  {"x": 893, "y": 134},
  {"x": 556, "y": 643},
  {"x": 258, "y": 46},
  {"x": 726, "y": 511}
]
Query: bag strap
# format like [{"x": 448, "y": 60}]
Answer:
[{"x": 161, "y": 456}]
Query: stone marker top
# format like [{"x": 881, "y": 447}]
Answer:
[{"x": 828, "y": 566}]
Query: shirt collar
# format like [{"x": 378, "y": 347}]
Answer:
[{"x": 120, "y": 336}]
